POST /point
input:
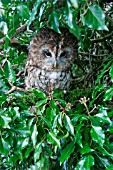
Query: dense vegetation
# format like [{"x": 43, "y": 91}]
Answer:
[{"x": 57, "y": 131}]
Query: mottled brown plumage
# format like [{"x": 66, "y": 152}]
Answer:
[{"x": 50, "y": 59}]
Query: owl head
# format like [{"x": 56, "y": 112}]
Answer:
[{"x": 49, "y": 50}]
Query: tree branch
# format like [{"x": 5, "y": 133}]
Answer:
[
  {"x": 18, "y": 31},
  {"x": 14, "y": 88},
  {"x": 102, "y": 38}
]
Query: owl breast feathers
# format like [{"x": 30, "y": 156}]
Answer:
[{"x": 50, "y": 60}]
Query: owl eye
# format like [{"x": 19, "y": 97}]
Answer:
[
  {"x": 48, "y": 54},
  {"x": 63, "y": 54}
]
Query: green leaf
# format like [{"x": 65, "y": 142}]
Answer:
[
  {"x": 104, "y": 152},
  {"x": 95, "y": 18},
  {"x": 46, "y": 122},
  {"x": 3, "y": 27},
  {"x": 23, "y": 11},
  {"x": 3, "y": 98},
  {"x": 25, "y": 143},
  {"x": 68, "y": 124},
  {"x": 102, "y": 115},
  {"x": 34, "y": 135},
  {"x": 74, "y": 3},
  {"x": 97, "y": 135},
  {"x": 78, "y": 135},
  {"x": 85, "y": 163},
  {"x": 53, "y": 136},
  {"x": 67, "y": 152},
  {"x": 109, "y": 167},
  {"x": 86, "y": 149},
  {"x": 9, "y": 72},
  {"x": 108, "y": 94},
  {"x": 38, "y": 151},
  {"x": 4, "y": 146},
  {"x": 38, "y": 93},
  {"x": 60, "y": 119},
  {"x": 34, "y": 12},
  {"x": 50, "y": 113},
  {"x": 41, "y": 102},
  {"x": 111, "y": 73},
  {"x": 28, "y": 151},
  {"x": 54, "y": 21}
]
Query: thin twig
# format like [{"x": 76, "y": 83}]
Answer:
[
  {"x": 94, "y": 55},
  {"x": 14, "y": 88},
  {"x": 102, "y": 38}
]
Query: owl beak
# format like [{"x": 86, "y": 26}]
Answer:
[{"x": 55, "y": 65}]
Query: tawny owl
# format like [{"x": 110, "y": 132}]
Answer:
[{"x": 50, "y": 60}]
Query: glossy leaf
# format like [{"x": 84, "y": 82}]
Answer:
[
  {"x": 74, "y": 3},
  {"x": 4, "y": 146},
  {"x": 67, "y": 152},
  {"x": 78, "y": 135},
  {"x": 38, "y": 93},
  {"x": 111, "y": 73},
  {"x": 34, "y": 12},
  {"x": 9, "y": 72},
  {"x": 3, "y": 98},
  {"x": 41, "y": 102},
  {"x": 46, "y": 122},
  {"x": 97, "y": 135},
  {"x": 95, "y": 18},
  {"x": 38, "y": 151},
  {"x": 85, "y": 163},
  {"x": 3, "y": 27},
  {"x": 23, "y": 11},
  {"x": 25, "y": 143},
  {"x": 68, "y": 124},
  {"x": 86, "y": 149},
  {"x": 55, "y": 139},
  {"x": 108, "y": 94},
  {"x": 103, "y": 116},
  {"x": 54, "y": 21},
  {"x": 34, "y": 135}
]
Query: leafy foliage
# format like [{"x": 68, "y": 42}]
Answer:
[{"x": 72, "y": 130}]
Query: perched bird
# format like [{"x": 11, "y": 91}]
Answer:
[{"x": 50, "y": 59}]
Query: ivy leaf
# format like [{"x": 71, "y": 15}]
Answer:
[
  {"x": 95, "y": 18},
  {"x": 68, "y": 125},
  {"x": 67, "y": 152},
  {"x": 97, "y": 135},
  {"x": 34, "y": 135},
  {"x": 85, "y": 163},
  {"x": 9, "y": 72}
]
